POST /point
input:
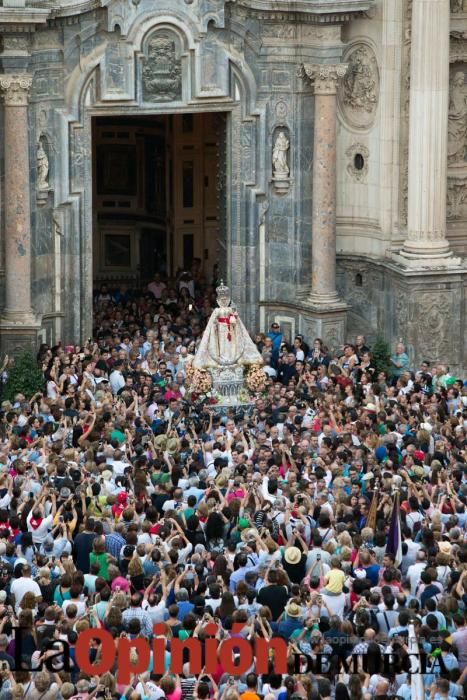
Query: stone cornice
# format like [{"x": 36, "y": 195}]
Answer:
[
  {"x": 22, "y": 19},
  {"x": 58, "y": 9},
  {"x": 310, "y": 7}
]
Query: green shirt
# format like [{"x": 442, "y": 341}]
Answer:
[
  {"x": 117, "y": 435},
  {"x": 60, "y": 596},
  {"x": 102, "y": 560}
]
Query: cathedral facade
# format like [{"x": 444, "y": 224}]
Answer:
[{"x": 314, "y": 150}]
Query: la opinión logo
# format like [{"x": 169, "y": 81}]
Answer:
[{"x": 235, "y": 655}]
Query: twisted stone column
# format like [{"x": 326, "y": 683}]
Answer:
[
  {"x": 323, "y": 275},
  {"x": 17, "y": 213},
  {"x": 428, "y": 131}
]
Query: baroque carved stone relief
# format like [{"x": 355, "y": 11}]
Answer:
[
  {"x": 457, "y": 143},
  {"x": 359, "y": 90},
  {"x": 15, "y": 45},
  {"x": 457, "y": 122},
  {"x": 456, "y": 197},
  {"x": 281, "y": 109},
  {"x": 457, "y": 6},
  {"x": 162, "y": 69},
  {"x": 432, "y": 325},
  {"x": 405, "y": 97},
  {"x": 424, "y": 320}
]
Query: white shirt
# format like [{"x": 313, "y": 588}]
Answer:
[
  {"x": 116, "y": 380},
  {"x": 413, "y": 574},
  {"x": 170, "y": 505},
  {"x": 412, "y": 518},
  {"x": 270, "y": 371},
  {"x": 335, "y": 603},
  {"x": 118, "y": 467},
  {"x": 40, "y": 533},
  {"x": 23, "y": 585}
]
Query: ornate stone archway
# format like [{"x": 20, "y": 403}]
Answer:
[{"x": 101, "y": 90}]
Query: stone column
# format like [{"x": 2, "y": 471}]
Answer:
[
  {"x": 16, "y": 206},
  {"x": 323, "y": 275},
  {"x": 428, "y": 134}
]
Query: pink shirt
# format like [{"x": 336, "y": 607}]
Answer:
[{"x": 239, "y": 493}]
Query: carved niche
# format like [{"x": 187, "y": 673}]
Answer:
[
  {"x": 162, "y": 68},
  {"x": 359, "y": 89}
]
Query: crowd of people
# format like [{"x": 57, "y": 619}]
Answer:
[{"x": 125, "y": 503}]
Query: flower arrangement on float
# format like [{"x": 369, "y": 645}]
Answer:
[
  {"x": 255, "y": 379},
  {"x": 199, "y": 383}
]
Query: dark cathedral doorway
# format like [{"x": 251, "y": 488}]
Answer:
[{"x": 158, "y": 196}]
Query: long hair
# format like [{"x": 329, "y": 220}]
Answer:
[{"x": 214, "y": 527}]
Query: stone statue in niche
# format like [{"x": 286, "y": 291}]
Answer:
[
  {"x": 162, "y": 71},
  {"x": 42, "y": 168},
  {"x": 279, "y": 157},
  {"x": 360, "y": 84},
  {"x": 457, "y": 122}
]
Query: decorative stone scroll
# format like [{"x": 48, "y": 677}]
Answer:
[
  {"x": 325, "y": 77},
  {"x": 162, "y": 69},
  {"x": 359, "y": 91},
  {"x": 15, "y": 89}
]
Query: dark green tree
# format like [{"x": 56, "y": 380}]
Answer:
[
  {"x": 25, "y": 377},
  {"x": 381, "y": 353}
]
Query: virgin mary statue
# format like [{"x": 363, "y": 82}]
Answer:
[{"x": 225, "y": 341}]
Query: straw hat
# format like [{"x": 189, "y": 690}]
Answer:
[
  {"x": 161, "y": 442},
  {"x": 292, "y": 555},
  {"x": 292, "y": 609},
  {"x": 173, "y": 445},
  {"x": 445, "y": 547},
  {"x": 170, "y": 445}
]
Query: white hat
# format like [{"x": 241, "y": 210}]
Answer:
[
  {"x": 292, "y": 555},
  {"x": 426, "y": 426}
]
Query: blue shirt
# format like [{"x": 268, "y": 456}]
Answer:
[
  {"x": 237, "y": 576},
  {"x": 372, "y": 573},
  {"x": 184, "y": 608}
]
